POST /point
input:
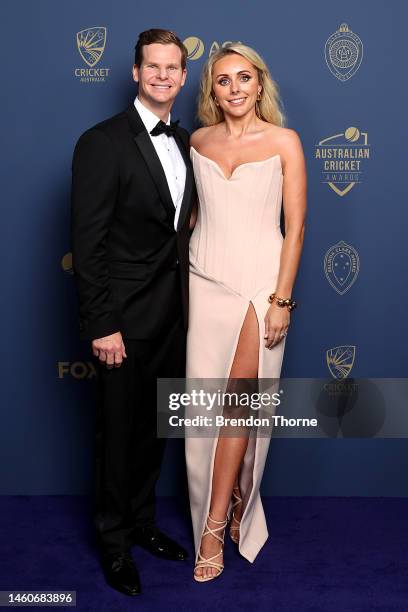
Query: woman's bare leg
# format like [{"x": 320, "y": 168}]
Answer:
[{"x": 231, "y": 450}]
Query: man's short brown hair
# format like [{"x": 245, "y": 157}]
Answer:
[{"x": 163, "y": 37}]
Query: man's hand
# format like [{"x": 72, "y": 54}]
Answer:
[{"x": 110, "y": 350}]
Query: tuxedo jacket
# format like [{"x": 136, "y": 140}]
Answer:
[{"x": 130, "y": 264}]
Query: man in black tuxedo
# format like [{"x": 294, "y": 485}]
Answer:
[{"x": 132, "y": 194}]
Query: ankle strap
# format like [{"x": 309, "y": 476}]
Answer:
[
  {"x": 218, "y": 522},
  {"x": 213, "y": 530}
]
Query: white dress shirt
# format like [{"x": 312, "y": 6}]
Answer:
[{"x": 169, "y": 155}]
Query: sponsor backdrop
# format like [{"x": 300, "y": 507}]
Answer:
[{"x": 339, "y": 67}]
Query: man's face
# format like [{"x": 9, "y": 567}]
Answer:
[{"x": 160, "y": 75}]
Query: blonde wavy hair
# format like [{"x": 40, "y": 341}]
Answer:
[{"x": 268, "y": 108}]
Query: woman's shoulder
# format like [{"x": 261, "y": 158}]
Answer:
[
  {"x": 200, "y": 136},
  {"x": 283, "y": 134},
  {"x": 285, "y": 140}
]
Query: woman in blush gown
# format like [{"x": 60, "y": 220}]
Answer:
[{"x": 245, "y": 162}]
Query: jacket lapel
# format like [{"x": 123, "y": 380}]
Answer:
[
  {"x": 188, "y": 187},
  {"x": 148, "y": 152}
]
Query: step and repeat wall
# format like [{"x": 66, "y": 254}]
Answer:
[{"x": 340, "y": 68}]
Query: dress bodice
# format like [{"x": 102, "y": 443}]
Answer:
[{"x": 237, "y": 238}]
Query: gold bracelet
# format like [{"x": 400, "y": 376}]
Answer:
[{"x": 282, "y": 302}]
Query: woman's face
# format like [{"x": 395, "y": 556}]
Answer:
[{"x": 235, "y": 85}]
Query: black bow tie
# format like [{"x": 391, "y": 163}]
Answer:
[{"x": 163, "y": 128}]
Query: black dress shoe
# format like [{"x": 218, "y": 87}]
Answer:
[
  {"x": 121, "y": 573},
  {"x": 157, "y": 543}
]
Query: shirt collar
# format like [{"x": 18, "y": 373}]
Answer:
[{"x": 149, "y": 119}]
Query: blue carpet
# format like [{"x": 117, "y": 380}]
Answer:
[{"x": 323, "y": 554}]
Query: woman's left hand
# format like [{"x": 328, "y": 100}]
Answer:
[{"x": 277, "y": 321}]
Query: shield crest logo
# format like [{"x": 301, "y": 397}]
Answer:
[
  {"x": 341, "y": 266},
  {"x": 343, "y": 53},
  {"x": 91, "y": 44},
  {"x": 340, "y": 360}
]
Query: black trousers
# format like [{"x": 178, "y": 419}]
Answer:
[{"x": 128, "y": 452}]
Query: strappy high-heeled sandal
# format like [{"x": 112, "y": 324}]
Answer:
[
  {"x": 233, "y": 530},
  {"x": 202, "y": 561}
]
